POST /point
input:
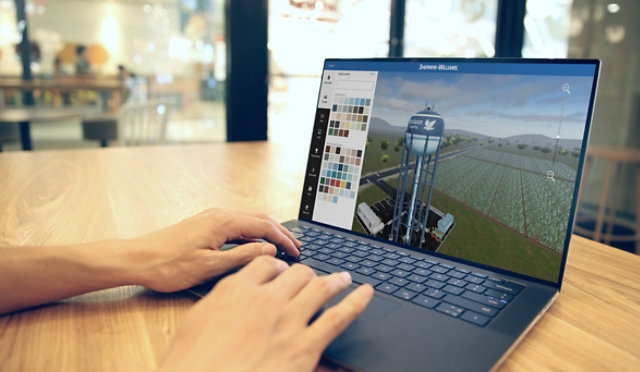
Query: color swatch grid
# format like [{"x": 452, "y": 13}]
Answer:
[
  {"x": 339, "y": 173},
  {"x": 348, "y": 114}
]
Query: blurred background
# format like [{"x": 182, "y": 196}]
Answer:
[{"x": 94, "y": 56}]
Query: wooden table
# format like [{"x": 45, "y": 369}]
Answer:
[
  {"x": 59, "y": 197},
  {"x": 25, "y": 116}
]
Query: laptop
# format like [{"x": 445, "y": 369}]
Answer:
[{"x": 450, "y": 186}]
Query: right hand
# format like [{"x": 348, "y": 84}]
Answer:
[{"x": 258, "y": 320}]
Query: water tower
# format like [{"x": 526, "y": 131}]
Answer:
[{"x": 422, "y": 144}]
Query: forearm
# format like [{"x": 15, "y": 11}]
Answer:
[{"x": 31, "y": 276}]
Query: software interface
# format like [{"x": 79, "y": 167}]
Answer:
[{"x": 472, "y": 160}]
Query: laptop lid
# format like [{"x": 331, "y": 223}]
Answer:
[{"x": 475, "y": 160}]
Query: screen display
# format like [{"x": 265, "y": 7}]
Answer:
[{"x": 475, "y": 160}]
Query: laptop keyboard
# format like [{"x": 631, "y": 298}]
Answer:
[{"x": 471, "y": 296}]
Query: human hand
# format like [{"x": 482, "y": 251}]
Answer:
[
  {"x": 188, "y": 253},
  {"x": 258, "y": 320}
]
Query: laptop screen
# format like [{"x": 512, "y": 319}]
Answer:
[{"x": 474, "y": 159}]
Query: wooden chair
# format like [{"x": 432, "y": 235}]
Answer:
[
  {"x": 9, "y": 132},
  {"x": 137, "y": 123},
  {"x": 615, "y": 158}
]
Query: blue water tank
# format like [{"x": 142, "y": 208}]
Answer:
[{"x": 425, "y": 128}]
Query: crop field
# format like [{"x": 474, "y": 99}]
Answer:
[{"x": 513, "y": 190}]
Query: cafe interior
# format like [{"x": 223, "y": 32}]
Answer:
[{"x": 212, "y": 71}]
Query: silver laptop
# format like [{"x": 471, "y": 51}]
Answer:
[{"x": 449, "y": 185}]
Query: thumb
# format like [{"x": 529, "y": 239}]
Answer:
[{"x": 243, "y": 254}]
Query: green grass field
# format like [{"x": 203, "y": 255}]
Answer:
[{"x": 476, "y": 237}]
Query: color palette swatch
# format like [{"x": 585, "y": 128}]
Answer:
[
  {"x": 339, "y": 173},
  {"x": 349, "y": 114}
]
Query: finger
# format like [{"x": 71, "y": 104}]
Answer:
[
  {"x": 317, "y": 293},
  {"x": 336, "y": 319},
  {"x": 242, "y": 255},
  {"x": 263, "y": 269},
  {"x": 290, "y": 282},
  {"x": 253, "y": 227},
  {"x": 280, "y": 227}
]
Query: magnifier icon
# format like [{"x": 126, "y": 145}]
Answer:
[
  {"x": 550, "y": 176},
  {"x": 565, "y": 88}
]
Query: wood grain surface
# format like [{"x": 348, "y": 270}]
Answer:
[{"x": 63, "y": 197}]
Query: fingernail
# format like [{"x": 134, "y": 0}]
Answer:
[
  {"x": 269, "y": 249},
  {"x": 346, "y": 276}
]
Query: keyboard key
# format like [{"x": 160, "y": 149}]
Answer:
[
  {"x": 470, "y": 305},
  {"x": 321, "y": 257},
  {"x": 483, "y": 299},
  {"x": 353, "y": 259},
  {"x": 434, "y": 284},
  {"x": 422, "y": 272},
  {"x": 336, "y": 240},
  {"x": 416, "y": 278},
  {"x": 346, "y": 249},
  {"x": 425, "y": 301},
  {"x": 435, "y": 293},
  {"x": 479, "y": 275},
  {"x": 383, "y": 268},
  {"x": 350, "y": 265},
  {"x": 494, "y": 279},
  {"x": 456, "y": 274},
  {"x": 457, "y": 282},
  {"x": 475, "y": 318},
  {"x": 366, "y": 271},
  {"x": 334, "y": 246},
  {"x": 378, "y": 252},
  {"x": 399, "y": 273},
  {"x": 405, "y": 294},
  {"x": 448, "y": 309},
  {"x": 389, "y": 262},
  {"x": 405, "y": 267},
  {"x": 360, "y": 253},
  {"x": 407, "y": 260},
  {"x": 446, "y": 266},
  {"x": 375, "y": 258},
  {"x": 340, "y": 255},
  {"x": 474, "y": 279},
  {"x": 402, "y": 253},
  {"x": 381, "y": 276},
  {"x": 452, "y": 289},
  {"x": 505, "y": 287},
  {"x": 439, "y": 269},
  {"x": 387, "y": 288},
  {"x": 335, "y": 261},
  {"x": 392, "y": 256},
  {"x": 416, "y": 287},
  {"x": 476, "y": 288},
  {"x": 362, "y": 248},
  {"x": 361, "y": 279},
  {"x": 440, "y": 277},
  {"x": 323, "y": 266},
  {"x": 400, "y": 282},
  {"x": 325, "y": 250},
  {"x": 349, "y": 244},
  {"x": 368, "y": 263},
  {"x": 498, "y": 295},
  {"x": 320, "y": 241},
  {"x": 423, "y": 264}
]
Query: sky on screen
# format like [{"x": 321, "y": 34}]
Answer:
[{"x": 494, "y": 105}]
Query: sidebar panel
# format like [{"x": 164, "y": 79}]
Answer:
[{"x": 314, "y": 163}]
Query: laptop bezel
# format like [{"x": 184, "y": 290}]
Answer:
[{"x": 587, "y": 131}]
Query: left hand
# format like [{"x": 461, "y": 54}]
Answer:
[{"x": 188, "y": 253}]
